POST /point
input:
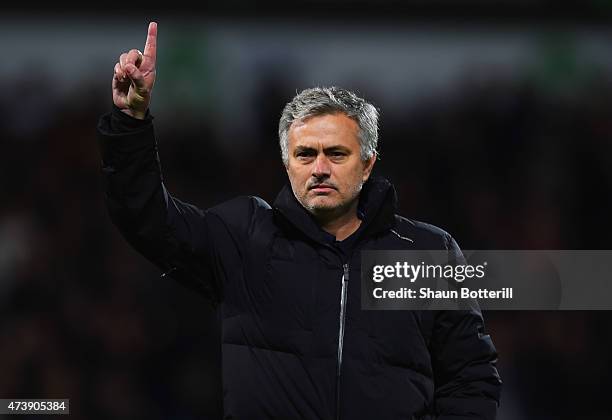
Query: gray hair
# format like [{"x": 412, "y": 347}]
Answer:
[{"x": 330, "y": 100}]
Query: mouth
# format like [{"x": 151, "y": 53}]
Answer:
[{"x": 322, "y": 188}]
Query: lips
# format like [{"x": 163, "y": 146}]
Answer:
[{"x": 322, "y": 188}]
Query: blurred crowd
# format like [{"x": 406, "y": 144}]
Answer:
[{"x": 500, "y": 164}]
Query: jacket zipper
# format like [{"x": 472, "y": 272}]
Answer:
[{"x": 343, "y": 293}]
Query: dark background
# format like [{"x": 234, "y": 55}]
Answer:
[{"x": 496, "y": 121}]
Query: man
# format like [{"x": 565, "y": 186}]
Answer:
[{"x": 295, "y": 342}]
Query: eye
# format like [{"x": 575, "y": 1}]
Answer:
[
  {"x": 337, "y": 154},
  {"x": 305, "y": 154}
]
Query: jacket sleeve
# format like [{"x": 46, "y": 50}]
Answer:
[
  {"x": 464, "y": 359},
  {"x": 176, "y": 236}
]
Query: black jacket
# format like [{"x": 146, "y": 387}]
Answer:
[{"x": 295, "y": 342}]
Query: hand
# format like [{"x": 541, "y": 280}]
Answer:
[{"x": 135, "y": 76}]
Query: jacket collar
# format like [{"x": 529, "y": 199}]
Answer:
[{"x": 377, "y": 208}]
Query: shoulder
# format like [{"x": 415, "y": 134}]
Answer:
[
  {"x": 242, "y": 212},
  {"x": 241, "y": 205},
  {"x": 423, "y": 235}
]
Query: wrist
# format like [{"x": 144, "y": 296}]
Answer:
[
  {"x": 139, "y": 115},
  {"x": 125, "y": 121}
]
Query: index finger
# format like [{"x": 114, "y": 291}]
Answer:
[{"x": 150, "y": 49}]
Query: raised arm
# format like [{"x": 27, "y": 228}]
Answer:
[{"x": 174, "y": 235}]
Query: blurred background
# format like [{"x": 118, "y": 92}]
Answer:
[{"x": 496, "y": 124}]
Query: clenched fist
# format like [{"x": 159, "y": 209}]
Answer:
[{"x": 135, "y": 76}]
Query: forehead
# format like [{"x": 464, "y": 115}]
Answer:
[{"x": 325, "y": 130}]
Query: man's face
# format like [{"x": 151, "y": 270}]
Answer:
[{"x": 325, "y": 168}]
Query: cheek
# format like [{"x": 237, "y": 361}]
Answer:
[
  {"x": 352, "y": 179},
  {"x": 297, "y": 178}
]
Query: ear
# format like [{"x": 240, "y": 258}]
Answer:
[{"x": 368, "y": 165}]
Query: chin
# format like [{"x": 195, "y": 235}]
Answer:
[{"x": 322, "y": 205}]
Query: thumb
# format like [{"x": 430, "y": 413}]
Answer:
[{"x": 137, "y": 78}]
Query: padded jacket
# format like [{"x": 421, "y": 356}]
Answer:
[{"x": 295, "y": 342}]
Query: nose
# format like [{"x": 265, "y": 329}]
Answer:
[{"x": 321, "y": 167}]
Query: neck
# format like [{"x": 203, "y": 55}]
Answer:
[{"x": 340, "y": 225}]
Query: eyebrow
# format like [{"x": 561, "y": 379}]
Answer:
[{"x": 338, "y": 147}]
